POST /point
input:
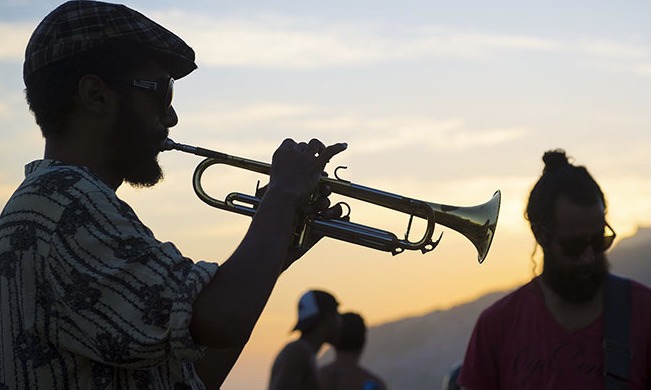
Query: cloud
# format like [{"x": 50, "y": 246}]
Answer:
[
  {"x": 17, "y": 2},
  {"x": 642, "y": 69},
  {"x": 445, "y": 41},
  {"x": 15, "y": 37},
  {"x": 230, "y": 116},
  {"x": 13, "y": 108},
  {"x": 301, "y": 121},
  {"x": 275, "y": 42},
  {"x": 283, "y": 42},
  {"x": 613, "y": 49},
  {"x": 280, "y": 42},
  {"x": 614, "y": 56},
  {"x": 392, "y": 133}
]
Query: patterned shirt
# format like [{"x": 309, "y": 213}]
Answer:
[{"x": 89, "y": 298}]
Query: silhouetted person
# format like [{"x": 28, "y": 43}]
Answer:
[
  {"x": 89, "y": 297},
  {"x": 295, "y": 367},
  {"x": 550, "y": 333},
  {"x": 345, "y": 372}
]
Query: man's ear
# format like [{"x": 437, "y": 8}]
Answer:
[{"x": 94, "y": 95}]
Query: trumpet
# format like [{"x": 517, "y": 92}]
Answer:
[{"x": 476, "y": 223}]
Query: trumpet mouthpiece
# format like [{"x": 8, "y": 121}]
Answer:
[{"x": 167, "y": 144}]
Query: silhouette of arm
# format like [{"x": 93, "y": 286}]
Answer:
[
  {"x": 215, "y": 366},
  {"x": 227, "y": 309}
]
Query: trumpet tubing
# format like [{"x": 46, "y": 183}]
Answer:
[{"x": 476, "y": 223}]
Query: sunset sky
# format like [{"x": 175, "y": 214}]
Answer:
[{"x": 444, "y": 102}]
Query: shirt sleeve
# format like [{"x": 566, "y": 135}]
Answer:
[{"x": 113, "y": 292}]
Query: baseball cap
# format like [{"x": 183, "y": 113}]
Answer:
[
  {"x": 79, "y": 25},
  {"x": 312, "y": 306}
]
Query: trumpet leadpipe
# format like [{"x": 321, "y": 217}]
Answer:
[{"x": 218, "y": 157}]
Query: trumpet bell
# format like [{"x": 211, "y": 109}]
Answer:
[{"x": 476, "y": 223}]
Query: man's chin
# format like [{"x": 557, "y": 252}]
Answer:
[
  {"x": 145, "y": 177},
  {"x": 585, "y": 292},
  {"x": 577, "y": 289},
  {"x": 142, "y": 183}
]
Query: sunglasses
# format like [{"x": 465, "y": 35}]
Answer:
[
  {"x": 163, "y": 88},
  {"x": 577, "y": 245}
]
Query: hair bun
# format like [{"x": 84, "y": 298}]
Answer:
[{"x": 555, "y": 159}]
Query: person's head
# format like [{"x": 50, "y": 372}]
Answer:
[
  {"x": 318, "y": 310},
  {"x": 352, "y": 334},
  {"x": 85, "y": 51},
  {"x": 567, "y": 210}
]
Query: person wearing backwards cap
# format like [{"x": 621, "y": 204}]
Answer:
[
  {"x": 90, "y": 298},
  {"x": 295, "y": 367}
]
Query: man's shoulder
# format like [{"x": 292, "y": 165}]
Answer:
[
  {"x": 519, "y": 298},
  {"x": 297, "y": 349},
  {"x": 641, "y": 288},
  {"x": 295, "y": 364},
  {"x": 64, "y": 196},
  {"x": 516, "y": 296},
  {"x": 641, "y": 292},
  {"x": 52, "y": 176},
  {"x": 49, "y": 188},
  {"x": 299, "y": 345}
]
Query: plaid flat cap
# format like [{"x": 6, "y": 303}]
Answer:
[{"x": 80, "y": 25}]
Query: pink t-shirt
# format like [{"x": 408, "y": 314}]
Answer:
[{"x": 517, "y": 344}]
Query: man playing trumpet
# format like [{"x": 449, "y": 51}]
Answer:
[{"x": 90, "y": 298}]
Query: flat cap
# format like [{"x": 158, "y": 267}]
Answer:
[{"x": 80, "y": 25}]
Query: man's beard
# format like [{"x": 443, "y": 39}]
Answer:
[
  {"x": 138, "y": 148},
  {"x": 575, "y": 283}
]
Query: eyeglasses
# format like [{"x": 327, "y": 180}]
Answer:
[
  {"x": 163, "y": 88},
  {"x": 577, "y": 245}
]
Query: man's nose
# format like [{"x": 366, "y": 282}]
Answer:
[{"x": 170, "y": 119}]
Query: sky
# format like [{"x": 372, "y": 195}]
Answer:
[{"x": 444, "y": 102}]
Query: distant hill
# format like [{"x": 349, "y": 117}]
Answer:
[
  {"x": 415, "y": 353},
  {"x": 632, "y": 257}
]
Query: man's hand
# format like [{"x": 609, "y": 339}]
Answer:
[
  {"x": 318, "y": 207},
  {"x": 297, "y": 167},
  {"x": 311, "y": 237}
]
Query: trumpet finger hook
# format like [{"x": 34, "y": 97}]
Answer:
[{"x": 337, "y": 176}]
